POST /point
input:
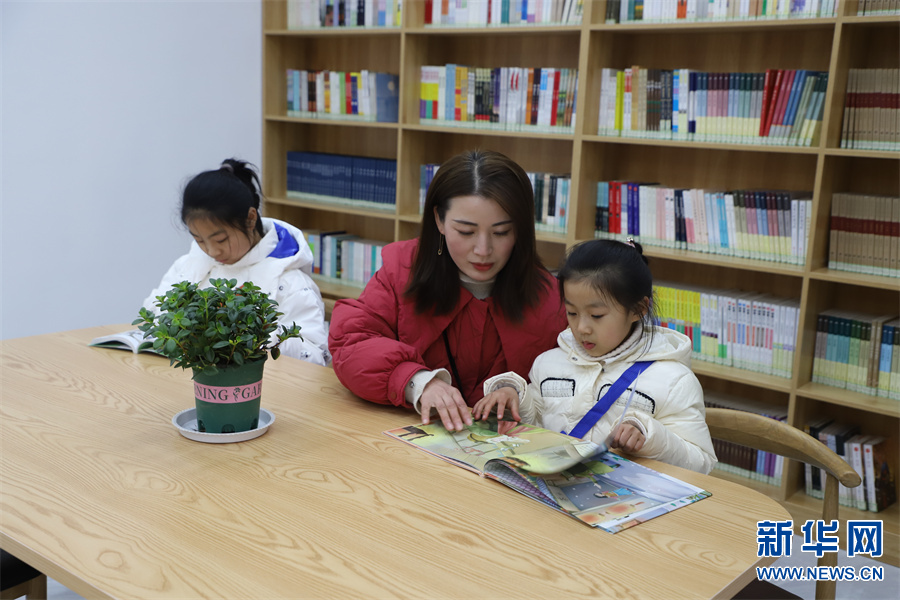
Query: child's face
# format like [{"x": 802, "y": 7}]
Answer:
[
  {"x": 480, "y": 236},
  {"x": 598, "y": 323},
  {"x": 224, "y": 243}
]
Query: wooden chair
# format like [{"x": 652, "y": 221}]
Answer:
[
  {"x": 769, "y": 435},
  {"x": 17, "y": 579}
]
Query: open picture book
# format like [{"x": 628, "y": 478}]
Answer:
[
  {"x": 132, "y": 340},
  {"x": 576, "y": 477}
]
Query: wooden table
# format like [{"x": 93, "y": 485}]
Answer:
[{"x": 100, "y": 491}]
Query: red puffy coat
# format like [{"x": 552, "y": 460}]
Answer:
[{"x": 378, "y": 342}]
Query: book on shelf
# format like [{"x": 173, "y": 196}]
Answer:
[
  {"x": 132, "y": 340},
  {"x": 856, "y": 352},
  {"x": 358, "y": 181},
  {"x": 343, "y": 95},
  {"x": 576, "y": 477},
  {"x": 778, "y": 106},
  {"x": 878, "y": 7},
  {"x": 864, "y": 234},
  {"x": 667, "y": 11},
  {"x": 316, "y": 14},
  {"x": 880, "y": 463},
  {"x": 871, "y": 115},
  {"x": 757, "y": 224},
  {"x": 504, "y": 98},
  {"x": 755, "y": 332},
  {"x": 758, "y": 465}
]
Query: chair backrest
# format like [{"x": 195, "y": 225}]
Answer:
[
  {"x": 770, "y": 435},
  {"x": 17, "y": 579}
]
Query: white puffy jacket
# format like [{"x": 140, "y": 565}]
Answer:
[
  {"x": 286, "y": 280},
  {"x": 667, "y": 405}
]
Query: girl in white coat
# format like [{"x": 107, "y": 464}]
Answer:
[
  {"x": 220, "y": 209},
  {"x": 606, "y": 286}
]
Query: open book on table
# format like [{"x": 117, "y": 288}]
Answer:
[
  {"x": 576, "y": 477},
  {"x": 132, "y": 340}
]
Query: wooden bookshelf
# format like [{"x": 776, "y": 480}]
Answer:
[{"x": 827, "y": 44}]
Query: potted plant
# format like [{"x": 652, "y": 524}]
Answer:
[{"x": 223, "y": 333}]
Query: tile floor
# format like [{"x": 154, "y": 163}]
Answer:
[{"x": 889, "y": 589}]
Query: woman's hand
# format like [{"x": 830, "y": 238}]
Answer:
[
  {"x": 627, "y": 437},
  {"x": 502, "y": 398},
  {"x": 447, "y": 401}
]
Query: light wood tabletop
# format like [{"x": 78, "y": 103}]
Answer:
[{"x": 100, "y": 491}]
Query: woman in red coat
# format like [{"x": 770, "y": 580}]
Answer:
[{"x": 465, "y": 301}]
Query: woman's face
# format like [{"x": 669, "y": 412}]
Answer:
[{"x": 479, "y": 236}]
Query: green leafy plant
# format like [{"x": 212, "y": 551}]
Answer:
[{"x": 215, "y": 327}]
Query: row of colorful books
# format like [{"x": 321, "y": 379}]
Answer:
[
  {"x": 752, "y": 331},
  {"x": 552, "y": 193},
  {"x": 779, "y": 106},
  {"x": 858, "y": 352},
  {"x": 344, "y": 256},
  {"x": 872, "y": 110},
  {"x": 358, "y": 181},
  {"x": 865, "y": 234},
  {"x": 350, "y": 95},
  {"x": 878, "y": 7},
  {"x": 624, "y": 11},
  {"x": 737, "y": 459},
  {"x": 313, "y": 14},
  {"x": 506, "y": 98},
  {"x": 872, "y": 456},
  {"x": 484, "y": 13},
  {"x": 757, "y": 224}
]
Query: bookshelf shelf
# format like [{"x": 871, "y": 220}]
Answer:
[
  {"x": 831, "y": 395},
  {"x": 833, "y": 45}
]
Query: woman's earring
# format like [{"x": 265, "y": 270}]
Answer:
[{"x": 441, "y": 245}]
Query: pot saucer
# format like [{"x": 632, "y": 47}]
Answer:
[{"x": 186, "y": 423}]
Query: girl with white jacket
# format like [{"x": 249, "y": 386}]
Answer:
[
  {"x": 606, "y": 286},
  {"x": 220, "y": 209}
]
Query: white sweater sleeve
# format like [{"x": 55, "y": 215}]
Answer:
[{"x": 299, "y": 299}]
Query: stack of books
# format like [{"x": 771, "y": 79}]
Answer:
[
  {"x": 778, "y": 107},
  {"x": 768, "y": 225},
  {"x": 343, "y": 95},
  {"x": 865, "y": 234},
  {"x": 878, "y": 7},
  {"x": 484, "y": 13},
  {"x": 744, "y": 461},
  {"x": 858, "y": 352},
  {"x": 505, "y": 98},
  {"x": 357, "y": 181},
  {"x": 872, "y": 456},
  {"x": 314, "y": 14},
  {"x": 344, "y": 256},
  {"x": 872, "y": 110},
  {"x": 623, "y": 11},
  {"x": 751, "y": 331}
]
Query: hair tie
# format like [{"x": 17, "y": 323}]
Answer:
[
  {"x": 227, "y": 167},
  {"x": 630, "y": 242}
]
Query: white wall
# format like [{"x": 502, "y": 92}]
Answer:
[{"x": 106, "y": 109}]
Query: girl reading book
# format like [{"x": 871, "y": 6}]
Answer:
[
  {"x": 221, "y": 210},
  {"x": 467, "y": 300},
  {"x": 614, "y": 377}
]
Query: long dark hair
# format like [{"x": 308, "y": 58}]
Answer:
[
  {"x": 224, "y": 195},
  {"x": 434, "y": 281},
  {"x": 617, "y": 271}
]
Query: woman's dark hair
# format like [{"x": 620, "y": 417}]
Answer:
[
  {"x": 617, "y": 271},
  {"x": 434, "y": 282},
  {"x": 224, "y": 196}
]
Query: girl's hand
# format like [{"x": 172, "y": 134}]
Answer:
[
  {"x": 503, "y": 398},
  {"x": 448, "y": 402},
  {"x": 627, "y": 437}
]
